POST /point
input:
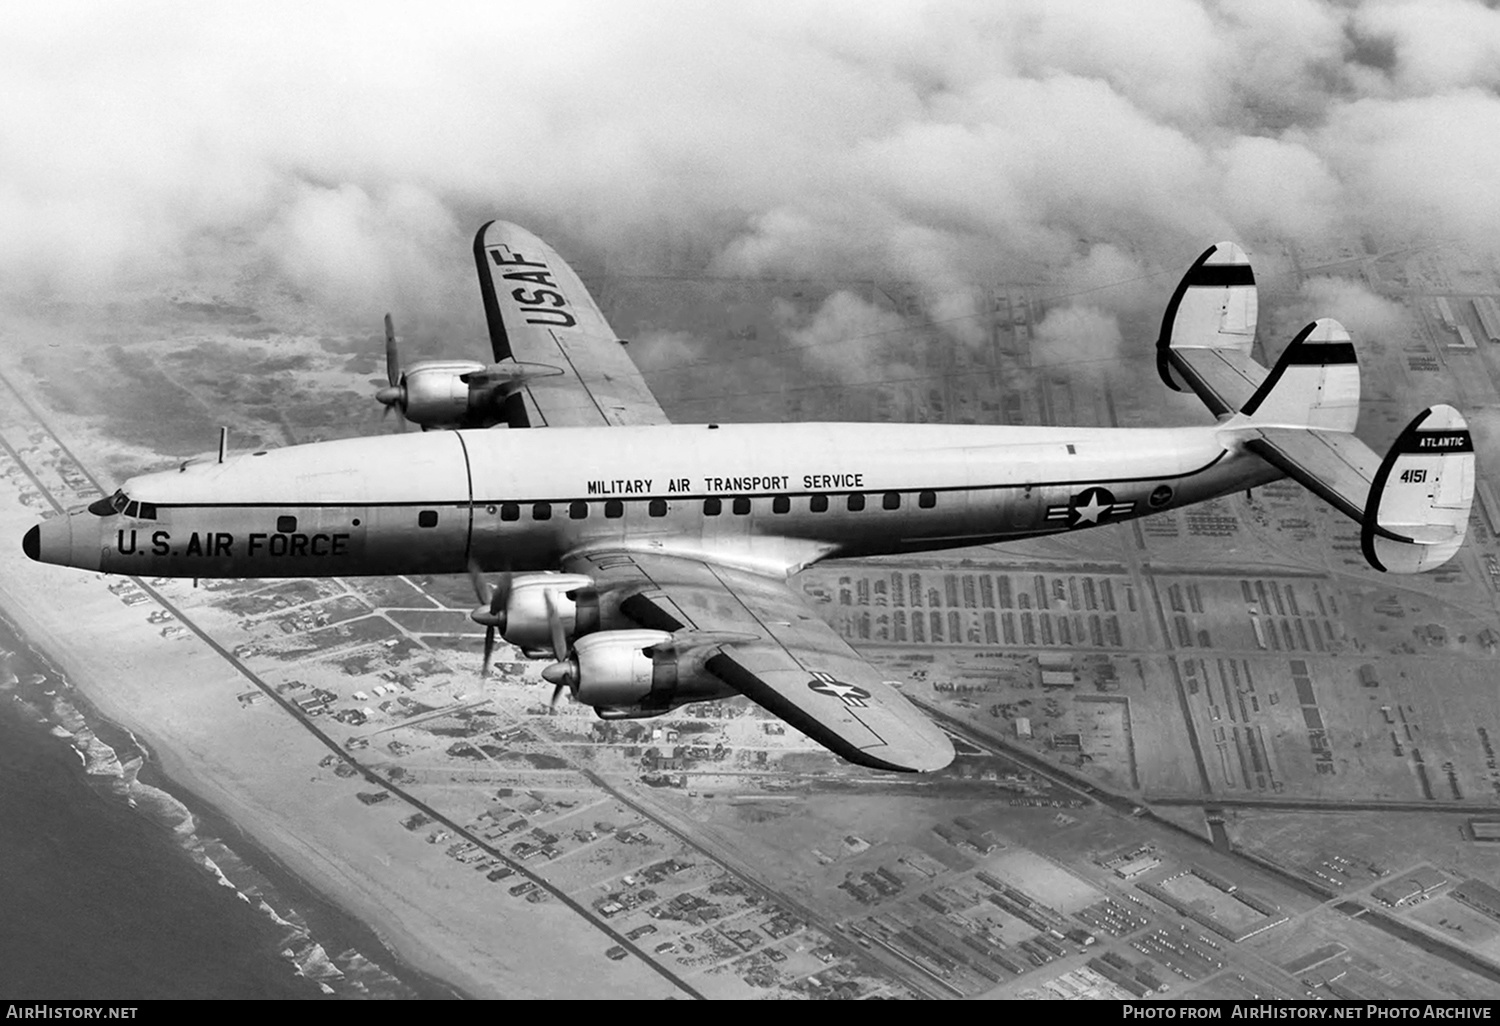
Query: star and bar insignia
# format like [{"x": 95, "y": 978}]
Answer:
[
  {"x": 827, "y": 684},
  {"x": 1089, "y": 507}
]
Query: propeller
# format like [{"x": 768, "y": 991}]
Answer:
[
  {"x": 393, "y": 396},
  {"x": 564, "y": 672},
  {"x": 490, "y": 613}
]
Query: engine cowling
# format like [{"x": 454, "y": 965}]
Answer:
[
  {"x": 434, "y": 394},
  {"x": 618, "y": 667},
  {"x": 526, "y": 623},
  {"x": 635, "y": 673}
]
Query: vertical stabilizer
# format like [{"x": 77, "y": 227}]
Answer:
[
  {"x": 1214, "y": 307},
  {"x": 1315, "y": 383},
  {"x": 1418, "y": 510}
]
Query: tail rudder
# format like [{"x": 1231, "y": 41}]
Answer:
[
  {"x": 1214, "y": 307},
  {"x": 1314, "y": 384},
  {"x": 1418, "y": 509}
]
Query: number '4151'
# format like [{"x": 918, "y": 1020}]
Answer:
[{"x": 1414, "y": 476}]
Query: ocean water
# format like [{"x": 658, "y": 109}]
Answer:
[{"x": 112, "y": 887}]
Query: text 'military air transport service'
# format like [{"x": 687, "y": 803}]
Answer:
[{"x": 650, "y": 560}]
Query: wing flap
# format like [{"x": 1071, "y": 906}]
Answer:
[
  {"x": 539, "y": 311},
  {"x": 797, "y": 668}
]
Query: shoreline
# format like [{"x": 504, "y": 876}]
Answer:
[
  {"x": 328, "y": 919},
  {"x": 330, "y": 924}
]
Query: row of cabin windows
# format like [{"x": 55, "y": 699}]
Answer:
[
  {"x": 577, "y": 510},
  {"x": 712, "y": 507}
]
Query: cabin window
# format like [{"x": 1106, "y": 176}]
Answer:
[
  {"x": 926, "y": 500},
  {"x": 288, "y": 525},
  {"x": 741, "y": 506},
  {"x": 426, "y": 518},
  {"x": 781, "y": 504},
  {"x": 856, "y": 502},
  {"x": 713, "y": 507},
  {"x": 658, "y": 507},
  {"x": 541, "y": 511},
  {"x": 578, "y": 509},
  {"x": 891, "y": 500},
  {"x": 614, "y": 509},
  {"x": 133, "y": 510},
  {"x": 510, "y": 511},
  {"x": 818, "y": 504}
]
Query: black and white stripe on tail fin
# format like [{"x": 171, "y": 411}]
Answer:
[
  {"x": 1214, "y": 307},
  {"x": 1418, "y": 509},
  {"x": 1314, "y": 384}
]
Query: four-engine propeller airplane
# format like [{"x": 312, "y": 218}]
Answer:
[{"x": 675, "y": 542}]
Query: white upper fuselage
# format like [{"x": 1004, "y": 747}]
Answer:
[{"x": 771, "y": 496}]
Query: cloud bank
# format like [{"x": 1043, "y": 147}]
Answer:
[{"x": 351, "y": 149}]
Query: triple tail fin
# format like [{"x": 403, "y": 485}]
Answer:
[{"x": 1412, "y": 506}]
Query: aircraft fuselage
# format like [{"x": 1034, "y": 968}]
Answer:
[{"x": 764, "y": 495}]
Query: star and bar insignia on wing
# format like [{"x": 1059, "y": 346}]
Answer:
[
  {"x": 849, "y": 694},
  {"x": 1089, "y": 507}
]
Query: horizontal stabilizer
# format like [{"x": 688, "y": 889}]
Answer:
[
  {"x": 1336, "y": 467},
  {"x": 1418, "y": 510},
  {"x": 1412, "y": 506}
]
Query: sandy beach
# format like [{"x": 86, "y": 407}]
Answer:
[{"x": 260, "y": 768}]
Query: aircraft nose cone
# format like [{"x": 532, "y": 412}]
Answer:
[
  {"x": 557, "y": 673},
  {"x": 32, "y": 543}
]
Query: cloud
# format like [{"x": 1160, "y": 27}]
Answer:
[
  {"x": 846, "y": 339},
  {"x": 1082, "y": 340},
  {"x": 351, "y": 149}
]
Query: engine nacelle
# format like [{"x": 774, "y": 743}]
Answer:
[
  {"x": 435, "y": 394},
  {"x": 635, "y": 673},
  {"x": 618, "y": 667},
  {"x": 573, "y": 597}
]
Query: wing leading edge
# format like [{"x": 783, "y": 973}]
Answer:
[
  {"x": 798, "y": 668},
  {"x": 538, "y": 311}
]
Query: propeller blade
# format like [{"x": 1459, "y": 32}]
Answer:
[
  {"x": 489, "y": 650},
  {"x": 554, "y": 621},
  {"x": 392, "y": 360},
  {"x": 482, "y": 589},
  {"x": 556, "y": 694}
]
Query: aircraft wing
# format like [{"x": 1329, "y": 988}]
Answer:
[
  {"x": 797, "y": 667},
  {"x": 540, "y": 313}
]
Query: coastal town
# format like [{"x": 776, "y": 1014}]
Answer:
[{"x": 1205, "y": 755}]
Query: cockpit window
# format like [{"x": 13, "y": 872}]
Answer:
[
  {"x": 122, "y": 503},
  {"x": 109, "y": 505}
]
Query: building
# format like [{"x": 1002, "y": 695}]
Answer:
[
  {"x": 1479, "y": 896},
  {"x": 1411, "y": 887},
  {"x": 1465, "y": 339},
  {"x": 1484, "y": 829},
  {"x": 1023, "y": 727},
  {"x": 1445, "y": 313},
  {"x": 1058, "y": 679},
  {"x": 1135, "y": 867},
  {"x": 1489, "y": 317},
  {"x": 1367, "y": 677},
  {"x": 1489, "y": 505}
]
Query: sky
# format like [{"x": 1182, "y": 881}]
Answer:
[{"x": 351, "y": 149}]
